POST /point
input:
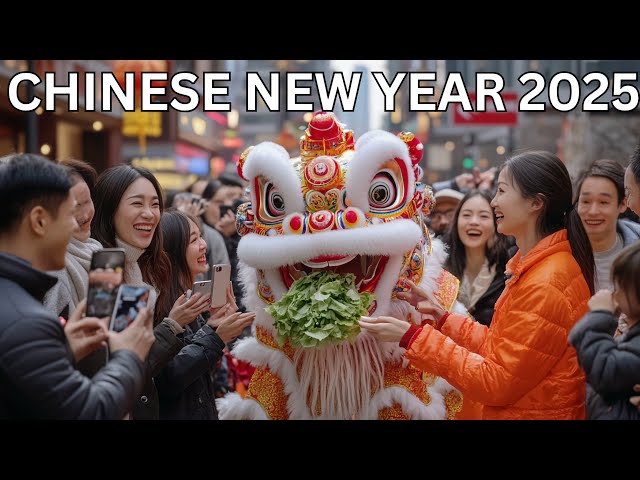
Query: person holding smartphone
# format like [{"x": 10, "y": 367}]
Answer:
[
  {"x": 38, "y": 374},
  {"x": 185, "y": 384},
  {"x": 128, "y": 202}
]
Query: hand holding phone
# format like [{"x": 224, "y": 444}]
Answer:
[
  {"x": 189, "y": 203},
  {"x": 138, "y": 338},
  {"x": 188, "y": 306},
  {"x": 131, "y": 299},
  {"x": 85, "y": 334},
  {"x": 105, "y": 276},
  {"x": 220, "y": 278}
]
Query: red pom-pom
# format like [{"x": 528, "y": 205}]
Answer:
[
  {"x": 351, "y": 216},
  {"x": 414, "y": 145},
  {"x": 295, "y": 223},
  {"x": 324, "y": 125}
]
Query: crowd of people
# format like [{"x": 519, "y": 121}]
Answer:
[{"x": 547, "y": 269}]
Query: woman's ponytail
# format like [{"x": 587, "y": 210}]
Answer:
[{"x": 580, "y": 246}]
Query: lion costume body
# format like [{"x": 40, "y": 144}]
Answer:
[{"x": 349, "y": 208}]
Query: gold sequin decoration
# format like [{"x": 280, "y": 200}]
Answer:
[
  {"x": 264, "y": 337},
  {"x": 409, "y": 378},
  {"x": 394, "y": 412},
  {"x": 429, "y": 378},
  {"x": 268, "y": 390},
  {"x": 448, "y": 286},
  {"x": 453, "y": 402}
]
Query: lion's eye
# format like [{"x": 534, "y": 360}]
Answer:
[
  {"x": 272, "y": 204},
  {"x": 385, "y": 192}
]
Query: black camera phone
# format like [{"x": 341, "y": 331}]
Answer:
[{"x": 105, "y": 276}]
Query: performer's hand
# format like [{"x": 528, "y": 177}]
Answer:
[{"x": 386, "y": 329}]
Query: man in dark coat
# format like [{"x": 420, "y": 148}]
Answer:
[{"x": 38, "y": 378}]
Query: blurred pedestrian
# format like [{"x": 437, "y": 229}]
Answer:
[
  {"x": 466, "y": 181},
  {"x": 522, "y": 366},
  {"x": 441, "y": 215}
]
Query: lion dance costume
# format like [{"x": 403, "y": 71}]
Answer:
[{"x": 347, "y": 207}]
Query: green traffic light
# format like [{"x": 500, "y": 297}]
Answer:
[{"x": 468, "y": 162}]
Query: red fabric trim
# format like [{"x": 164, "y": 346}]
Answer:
[
  {"x": 409, "y": 336},
  {"x": 443, "y": 319}
]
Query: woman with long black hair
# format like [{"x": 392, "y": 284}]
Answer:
[{"x": 522, "y": 366}]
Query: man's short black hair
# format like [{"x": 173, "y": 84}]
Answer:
[{"x": 28, "y": 180}]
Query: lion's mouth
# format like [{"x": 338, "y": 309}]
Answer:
[{"x": 367, "y": 269}]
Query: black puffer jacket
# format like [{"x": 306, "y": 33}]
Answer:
[
  {"x": 186, "y": 384},
  {"x": 163, "y": 350},
  {"x": 38, "y": 378},
  {"x": 612, "y": 365}
]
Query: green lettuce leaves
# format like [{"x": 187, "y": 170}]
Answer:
[{"x": 319, "y": 308}]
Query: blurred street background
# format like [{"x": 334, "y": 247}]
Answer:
[{"x": 180, "y": 147}]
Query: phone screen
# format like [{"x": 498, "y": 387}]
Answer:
[
  {"x": 224, "y": 209},
  {"x": 105, "y": 276},
  {"x": 130, "y": 300}
]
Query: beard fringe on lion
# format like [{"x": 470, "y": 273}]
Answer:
[{"x": 329, "y": 236}]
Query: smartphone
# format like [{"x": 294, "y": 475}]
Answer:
[
  {"x": 191, "y": 197},
  {"x": 220, "y": 278},
  {"x": 224, "y": 209},
  {"x": 130, "y": 299},
  {"x": 203, "y": 288},
  {"x": 105, "y": 276}
]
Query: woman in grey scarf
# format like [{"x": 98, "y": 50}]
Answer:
[{"x": 74, "y": 278}]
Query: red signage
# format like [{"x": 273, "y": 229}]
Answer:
[{"x": 489, "y": 117}]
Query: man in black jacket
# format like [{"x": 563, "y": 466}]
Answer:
[{"x": 38, "y": 378}]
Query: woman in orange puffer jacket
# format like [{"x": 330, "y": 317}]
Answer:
[{"x": 522, "y": 366}]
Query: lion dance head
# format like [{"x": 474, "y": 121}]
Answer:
[{"x": 343, "y": 206}]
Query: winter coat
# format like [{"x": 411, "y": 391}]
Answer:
[
  {"x": 186, "y": 384},
  {"x": 38, "y": 378},
  {"x": 629, "y": 230},
  {"x": 163, "y": 350},
  {"x": 612, "y": 365},
  {"x": 522, "y": 366}
]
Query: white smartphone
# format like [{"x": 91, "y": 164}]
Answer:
[
  {"x": 220, "y": 278},
  {"x": 203, "y": 288}
]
